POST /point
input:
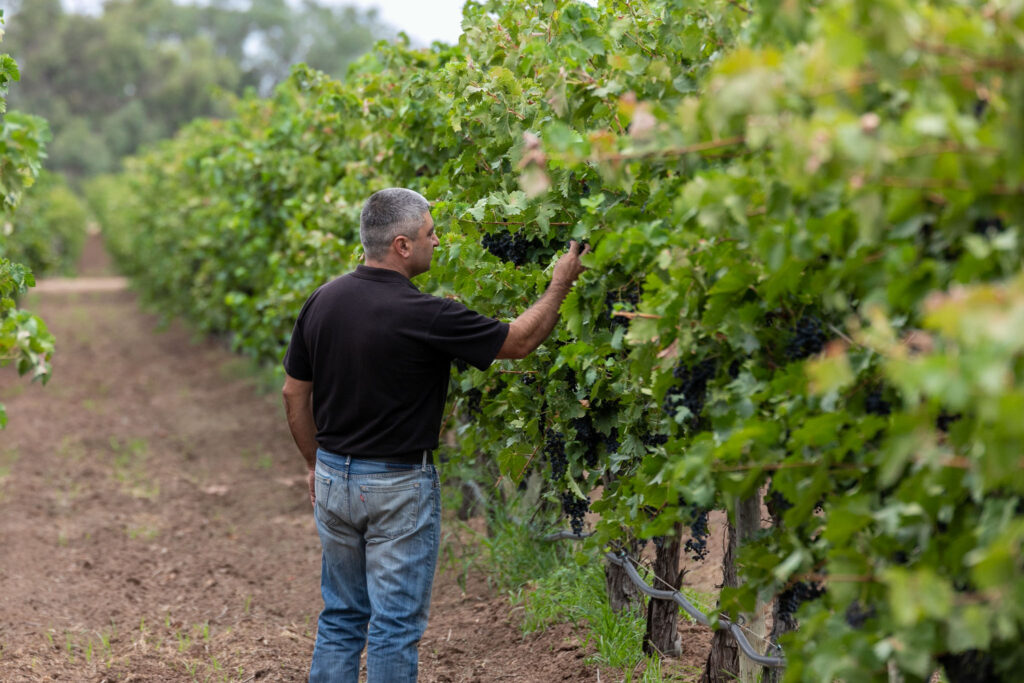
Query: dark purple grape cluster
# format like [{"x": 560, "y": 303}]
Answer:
[
  {"x": 876, "y": 405},
  {"x": 945, "y": 420},
  {"x": 980, "y": 107},
  {"x": 653, "y": 440},
  {"x": 697, "y": 544},
  {"x": 627, "y": 295},
  {"x": 971, "y": 666},
  {"x": 511, "y": 247},
  {"x": 474, "y": 397},
  {"x": 691, "y": 391},
  {"x": 988, "y": 225},
  {"x": 797, "y": 594},
  {"x": 574, "y": 508},
  {"x": 857, "y": 614},
  {"x": 807, "y": 339},
  {"x": 554, "y": 450},
  {"x": 611, "y": 442},
  {"x": 777, "y": 503},
  {"x": 588, "y": 437}
]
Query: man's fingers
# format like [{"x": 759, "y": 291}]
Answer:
[{"x": 576, "y": 249}]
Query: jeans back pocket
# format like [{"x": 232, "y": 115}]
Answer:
[
  {"x": 322, "y": 490},
  {"x": 392, "y": 508}
]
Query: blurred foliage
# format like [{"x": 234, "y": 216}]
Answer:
[
  {"x": 791, "y": 206},
  {"x": 111, "y": 83},
  {"x": 24, "y": 339},
  {"x": 47, "y": 231}
]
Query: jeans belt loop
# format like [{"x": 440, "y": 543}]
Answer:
[
  {"x": 348, "y": 466},
  {"x": 425, "y": 451}
]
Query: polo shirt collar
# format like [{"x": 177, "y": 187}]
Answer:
[{"x": 365, "y": 272}]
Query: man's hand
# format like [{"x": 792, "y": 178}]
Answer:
[
  {"x": 298, "y": 407},
  {"x": 568, "y": 268},
  {"x": 526, "y": 332}
]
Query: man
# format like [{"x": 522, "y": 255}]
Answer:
[{"x": 367, "y": 375}]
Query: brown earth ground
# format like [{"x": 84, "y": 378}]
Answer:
[{"x": 154, "y": 524}]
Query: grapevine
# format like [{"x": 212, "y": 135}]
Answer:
[{"x": 777, "y": 196}]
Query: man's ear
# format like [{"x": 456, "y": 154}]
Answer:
[{"x": 401, "y": 245}]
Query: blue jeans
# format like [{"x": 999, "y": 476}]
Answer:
[{"x": 380, "y": 528}]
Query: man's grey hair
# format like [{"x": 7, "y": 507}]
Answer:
[{"x": 388, "y": 214}]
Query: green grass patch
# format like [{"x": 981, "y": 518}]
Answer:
[
  {"x": 555, "y": 582},
  {"x": 267, "y": 379},
  {"x": 130, "y": 458},
  {"x": 575, "y": 593},
  {"x": 8, "y": 457}
]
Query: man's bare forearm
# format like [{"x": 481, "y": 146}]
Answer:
[
  {"x": 302, "y": 426},
  {"x": 537, "y": 322},
  {"x": 530, "y": 329}
]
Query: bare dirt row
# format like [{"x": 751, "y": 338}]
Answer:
[{"x": 154, "y": 524}]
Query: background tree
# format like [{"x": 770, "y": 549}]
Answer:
[{"x": 110, "y": 84}]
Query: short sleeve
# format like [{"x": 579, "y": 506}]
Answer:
[
  {"x": 296, "y": 359},
  {"x": 462, "y": 333}
]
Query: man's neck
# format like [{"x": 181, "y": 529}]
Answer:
[{"x": 389, "y": 264}]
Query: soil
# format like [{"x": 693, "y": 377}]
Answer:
[{"x": 154, "y": 523}]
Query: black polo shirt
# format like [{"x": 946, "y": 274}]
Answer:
[{"x": 378, "y": 352}]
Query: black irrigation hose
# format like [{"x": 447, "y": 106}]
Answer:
[
  {"x": 723, "y": 621},
  {"x": 698, "y": 616}
]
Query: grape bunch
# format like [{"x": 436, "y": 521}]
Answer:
[
  {"x": 797, "y": 594},
  {"x": 611, "y": 442},
  {"x": 587, "y": 436},
  {"x": 697, "y": 544},
  {"x": 970, "y": 666},
  {"x": 980, "y": 107},
  {"x": 511, "y": 247},
  {"x": 574, "y": 508},
  {"x": 691, "y": 390},
  {"x": 876, "y": 405},
  {"x": 570, "y": 379},
  {"x": 807, "y": 339},
  {"x": 857, "y": 614},
  {"x": 988, "y": 225},
  {"x": 628, "y": 295},
  {"x": 777, "y": 503},
  {"x": 945, "y": 420},
  {"x": 653, "y": 440},
  {"x": 474, "y": 397},
  {"x": 554, "y": 449}
]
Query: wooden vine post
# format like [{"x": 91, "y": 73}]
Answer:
[
  {"x": 662, "y": 635},
  {"x": 724, "y": 663}
]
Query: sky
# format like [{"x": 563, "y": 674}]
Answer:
[{"x": 423, "y": 20}]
